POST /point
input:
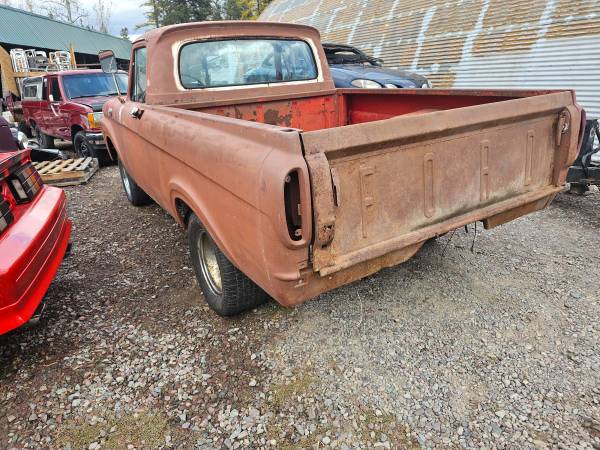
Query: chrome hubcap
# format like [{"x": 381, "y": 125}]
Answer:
[{"x": 208, "y": 263}]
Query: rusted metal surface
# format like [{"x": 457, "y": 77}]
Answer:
[
  {"x": 473, "y": 43},
  {"x": 445, "y": 169},
  {"x": 379, "y": 172}
]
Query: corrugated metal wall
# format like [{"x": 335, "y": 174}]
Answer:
[{"x": 468, "y": 43}]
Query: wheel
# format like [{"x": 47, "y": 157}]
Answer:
[
  {"x": 45, "y": 141},
  {"x": 82, "y": 146},
  {"x": 134, "y": 193},
  {"x": 226, "y": 289},
  {"x": 24, "y": 128}
]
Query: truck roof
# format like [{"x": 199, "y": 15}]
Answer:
[
  {"x": 76, "y": 71},
  {"x": 65, "y": 72},
  {"x": 163, "y": 46},
  {"x": 257, "y": 28}
]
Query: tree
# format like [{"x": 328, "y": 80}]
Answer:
[
  {"x": 69, "y": 11},
  {"x": 232, "y": 10},
  {"x": 244, "y": 9},
  {"x": 125, "y": 33},
  {"x": 102, "y": 8},
  {"x": 153, "y": 14},
  {"x": 168, "y": 12}
]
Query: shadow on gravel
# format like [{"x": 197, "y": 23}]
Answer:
[{"x": 586, "y": 207}]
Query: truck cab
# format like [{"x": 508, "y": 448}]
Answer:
[{"x": 68, "y": 105}]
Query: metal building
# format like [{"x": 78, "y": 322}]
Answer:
[
  {"x": 22, "y": 29},
  {"x": 468, "y": 43}
]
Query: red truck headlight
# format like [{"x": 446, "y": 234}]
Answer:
[{"x": 94, "y": 119}]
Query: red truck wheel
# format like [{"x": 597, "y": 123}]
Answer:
[
  {"x": 226, "y": 289},
  {"x": 45, "y": 141},
  {"x": 82, "y": 147}
]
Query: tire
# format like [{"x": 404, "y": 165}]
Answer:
[
  {"x": 45, "y": 141},
  {"x": 226, "y": 289},
  {"x": 134, "y": 193},
  {"x": 84, "y": 148},
  {"x": 24, "y": 128},
  {"x": 578, "y": 188}
]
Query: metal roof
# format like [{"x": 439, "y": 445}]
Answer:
[
  {"x": 28, "y": 30},
  {"x": 553, "y": 44}
]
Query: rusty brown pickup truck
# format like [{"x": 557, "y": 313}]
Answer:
[{"x": 289, "y": 187}]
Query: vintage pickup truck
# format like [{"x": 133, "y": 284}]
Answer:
[{"x": 290, "y": 187}]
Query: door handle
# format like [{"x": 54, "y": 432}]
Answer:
[
  {"x": 136, "y": 112},
  {"x": 52, "y": 105}
]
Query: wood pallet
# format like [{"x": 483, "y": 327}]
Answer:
[{"x": 67, "y": 172}]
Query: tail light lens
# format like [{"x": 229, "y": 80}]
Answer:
[
  {"x": 20, "y": 182},
  {"x": 25, "y": 183},
  {"x": 6, "y": 217}
]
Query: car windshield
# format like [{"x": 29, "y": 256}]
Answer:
[
  {"x": 93, "y": 84},
  {"x": 239, "y": 62}
]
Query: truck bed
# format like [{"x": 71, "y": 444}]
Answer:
[
  {"x": 399, "y": 167},
  {"x": 353, "y": 106},
  {"x": 377, "y": 173}
]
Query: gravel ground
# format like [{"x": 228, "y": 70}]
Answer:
[{"x": 495, "y": 347}]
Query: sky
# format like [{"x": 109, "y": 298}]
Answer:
[{"x": 125, "y": 13}]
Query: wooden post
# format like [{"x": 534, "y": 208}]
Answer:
[{"x": 72, "y": 52}]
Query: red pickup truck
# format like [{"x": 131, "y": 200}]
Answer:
[
  {"x": 290, "y": 187},
  {"x": 34, "y": 234},
  {"x": 68, "y": 105}
]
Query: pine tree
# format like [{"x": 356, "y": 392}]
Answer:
[{"x": 153, "y": 14}]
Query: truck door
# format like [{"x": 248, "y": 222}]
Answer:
[
  {"x": 55, "y": 118},
  {"x": 136, "y": 144}
]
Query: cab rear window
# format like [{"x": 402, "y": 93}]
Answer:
[{"x": 239, "y": 62}]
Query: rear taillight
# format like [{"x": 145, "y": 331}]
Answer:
[
  {"x": 19, "y": 183},
  {"x": 293, "y": 213},
  {"x": 6, "y": 217},
  {"x": 25, "y": 182}
]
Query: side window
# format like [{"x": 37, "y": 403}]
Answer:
[
  {"x": 138, "y": 86},
  {"x": 45, "y": 89},
  {"x": 55, "y": 89}
]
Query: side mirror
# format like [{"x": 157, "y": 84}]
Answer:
[
  {"x": 51, "y": 98},
  {"x": 108, "y": 61}
]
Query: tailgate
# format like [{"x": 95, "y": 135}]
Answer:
[{"x": 382, "y": 186}]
